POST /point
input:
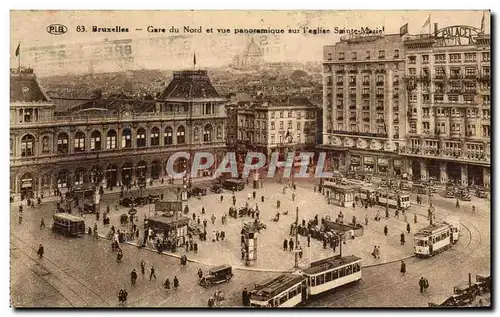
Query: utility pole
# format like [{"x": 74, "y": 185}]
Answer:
[
  {"x": 296, "y": 237},
  {"x": 387, "y": 195}
]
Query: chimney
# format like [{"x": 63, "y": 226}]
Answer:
[{"x": 435, "y": 29}]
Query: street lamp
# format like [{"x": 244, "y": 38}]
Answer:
[{"x": 296, "y": 237}]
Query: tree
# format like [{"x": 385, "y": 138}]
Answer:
[{"x": 97, "y": 93}]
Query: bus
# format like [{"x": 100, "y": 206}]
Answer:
[
  {"x": 393, "y": 200},
  {"x": 68, "y": 224}
]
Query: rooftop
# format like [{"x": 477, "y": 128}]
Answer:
[
  {"x": 330, "y": 263},
  {"x": 275, "y": 286},
  {"x": 24, "y": 87},
  {"x": 190, "y": 84}
]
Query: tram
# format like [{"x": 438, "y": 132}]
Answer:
[
  {"x": 393, "y": 200},
  {"x": 435, "y": 238},
  {"x": 68, "y": 224},
  {"x": 292, "y": 289}
]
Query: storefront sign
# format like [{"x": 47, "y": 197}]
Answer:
[
  {"x": 397, "y": 163},
  {"x": 383, "y": 162},
  {"x": 355, "y": 160},
  {"x": 457, "y": 35},
  {"x": 369, "y": 160}
]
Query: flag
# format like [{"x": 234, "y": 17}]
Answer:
[
  {"x": 287, "y": 134},
  {"x": 18, "y": 49},
  {"x": 427, "y": 22},
  {"x": 194, "y": 59},
  {"x": 403, "y": 30},
  {"x": 482, "y": 23}
]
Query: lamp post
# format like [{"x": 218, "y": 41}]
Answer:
[{"x": 296, "y": 237}]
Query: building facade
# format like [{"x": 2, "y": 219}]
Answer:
[
  {"x": 363, "y": 103},
  {"x": 449, "y": 118},
  {"x": 278, "y": 125},
  {"x": 109, "y": 141},
  {"x": 416, "y": 106}
]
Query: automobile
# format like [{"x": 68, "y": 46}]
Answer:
[
  {"x": 233, "y": 184},
  {"x": 217, "y": 188},
  {"x": 481, "y": 193},
  {"x": 88, "y": 208},
  {"x": 153, "y": 198},
  {"x": 217, "y": 275},
  {"x": 197, "y": 191},
  {"x": 465, "y": 197},
  {"x": 126, "y": 202}
]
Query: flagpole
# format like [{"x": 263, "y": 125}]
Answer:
[
  {"x": 430, "y": 24},
  {"x": 19, "y": 58}
]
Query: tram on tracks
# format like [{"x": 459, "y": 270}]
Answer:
[
  {"x": 292, "y": 289},
  {"x": 393, "y": 200},
  {"x": 435, "y": 238}
]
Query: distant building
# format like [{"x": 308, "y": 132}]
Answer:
[{"x": 252, "y": 56}]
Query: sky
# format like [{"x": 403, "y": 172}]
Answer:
[{"x": 96, "y": 51}]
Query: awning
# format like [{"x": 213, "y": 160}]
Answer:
[{"x": 383, "y": 162}]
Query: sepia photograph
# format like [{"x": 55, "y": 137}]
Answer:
[{"x": 250, "y": 159}]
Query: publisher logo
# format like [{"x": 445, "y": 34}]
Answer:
[{"x": 57, "y": 29}]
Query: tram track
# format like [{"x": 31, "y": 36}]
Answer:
[{"x": 88, "y": 301}]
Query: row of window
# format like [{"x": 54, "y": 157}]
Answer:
[
  {"x": 455, "y": 128},
  {"x": 281, "y": 114},
  {"x": 453, "y": 71},
  {"x": 364, "y": 91},
  {"x": 366, "y": 128},
  {"x": 465, "y": 99},
  {"x": 307, "y": 125},
  {"x": 368, "y": 55},
  {"x": 28, "y": 141},
  {"x": 335, "y": 274},
  {"x": 453, "y": 112}
]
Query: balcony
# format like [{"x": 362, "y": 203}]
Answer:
[
  {"x": 485, "y": 77},
  {"x": 395, "y": 96},
  {"x": 340, "y": 83},
  {"x": 440, "y": 77},
  {"x": 395, "y": 136},
  {"x": 455, "y": 76},
  {"x": 375, "y": 135},
  {"x": 470, "y": 76},
  {"x": 340, "y": 71},
  {"x": 447, "y": 154},
  {"x": 395, "y": 83},
  {"x": 366, "y": 83},
  {"x": 379, "y": 108},
  {"x": 330, "y": 83},
  {"x": 396, "y": 120},
  {"x": 425, "y": 77},
  {"x": 380, "y": 71},
  {"x": 339, "y": 94},
  {"x": 395, "y": 109},
  {"x": 352, "y": 95},
  {"x": 352, "y": 119},
  {"x": 369, "y": 71},
  {"x": 380, "y": 83},
  {"x": 352, "y": 107},
  {"x": 365, "y": 96},
  {"x": 340, "y": 107},
  {"x": 340, "y": 118},
  {"x": 380, "y": 120},
  {"x": 352, "y": 83},
  {"x": 366, "y": 108},
  {"x": 366, "y": 119},
  {"x": 380, "y": 95}
]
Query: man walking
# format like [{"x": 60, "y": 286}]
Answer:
[
  {"x": 403, "y": 238},
  {"x": 421, "y": 284},
  {"x": 386, "y": 230},
  {"x": 143, "y": 267},
  {"x": 152, "y": 273},
  {"x": 408, "y": 227},
  {"x": 133, "y": 277},
  {"x": 403, "y": 268}
]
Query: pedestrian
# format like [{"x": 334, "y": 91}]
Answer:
[
  {"x": 426, "y": 284},
  {"x": 278, "y": 203},
  {"x": 262, "y": 198},
  {"x": 217, "y": 235},
  {"x": 415, "y": 218},
  {"x": 152, "y": 273},
  {"x": 290, "y": 245},
  {"x": 205, "y": 223},
  {"x": 285, "y": 245},
  {"x": 352, "y": 234},
  {"x": 308, "y": 240},
  {"x": 42, "y": 224},
  {"x": 176, "y": 282},
  {"x": 243, "y": 251},
  {"x": 213, "y": 218},
  {"x": 254, "y": 194},
  {"x": 421, "y": 284},
  {"x": 473, "y": 209},
  {"x": 222, "y": 235},
  {"x": 374, "y": 253},
  {"x": 293, "y": 196},
  {"x": 143, "y": 267},
  {"x": 244, "y": 297},
  {"x": 366, "y": 219},
  {"x": 40, "y": 251},
  {"x": 167, "y": 284},
  {"x": 221, "y": 198},
  {"x": 403, "y": 268},
  {"x": 195, "y": 247},
  {"x": 408, "y": 227},
  {"x": 386, "y": 230},
  {"x": 133, "y": 277},
  {"x": 378, "y": 252},
  {"x": 402, "y": 238},
  {"x": 457, "y": 206}
]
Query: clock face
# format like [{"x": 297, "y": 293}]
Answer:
[
  {"x": 127, "y": 114},
  {"x": 25, "y": 90}
]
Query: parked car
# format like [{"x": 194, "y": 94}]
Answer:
[
  {"x": 126, "y": 202},
  {"x": 141, "y": 201},
  {"x": 197, "y": 191},
  {"x": 481, "y": 193},
  {"x": 217, "y": 188}
]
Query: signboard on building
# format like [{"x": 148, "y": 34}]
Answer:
[
  {"x": 368, "y": 160},
  {"x": 457, "y": 35},
  {"x": 383, "y": 162}
]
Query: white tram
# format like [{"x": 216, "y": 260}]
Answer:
[
  {"x": 289, "y": 290},
  {"x": 393, "y": 200},
  {"x": 436, "y": 238}
]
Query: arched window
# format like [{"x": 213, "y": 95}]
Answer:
[
  {"x": 155, "y": 136},
  {"x": 111, "y": 140},
  {"x": 27, "y": 145},
  {"x": 168, "y": 136},
  {"x": 62, "y": 143},
  {"x": 79, "y": 141},
  {"x": 141, "y": 137},
  {"x": 95, "y": 141},
  {"x": 208, "y": 133},
  {"x": 181, "y": 135},
  {"x": 126, "y": 138}
]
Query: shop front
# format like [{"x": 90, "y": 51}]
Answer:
[
  {"x": 382, "y": 165},
  {"x": 368, "y": 164},
  {"x": 355, "y": 163},
  {"x": 397, "y": 167}
]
